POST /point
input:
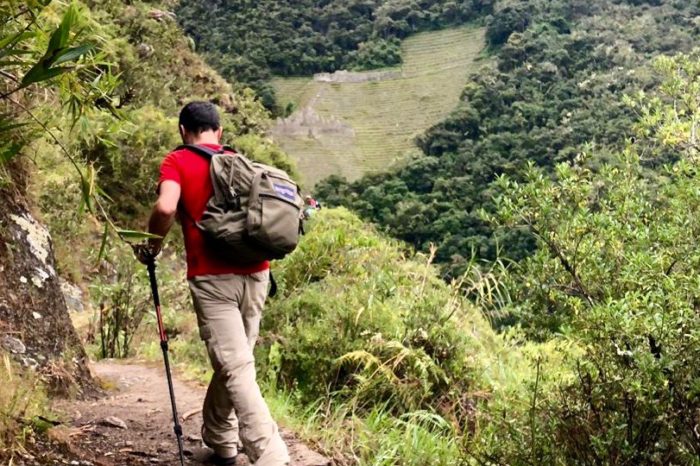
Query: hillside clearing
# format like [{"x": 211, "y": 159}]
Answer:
[{"x": 352, "y": 123}]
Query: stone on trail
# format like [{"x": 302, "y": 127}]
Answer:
[
  {"x": 113, "y": 421},
  {"x": 13, "y": 345}
]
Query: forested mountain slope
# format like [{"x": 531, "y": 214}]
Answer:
[
  {"x": 251, "y": 41},
  {"x": 555, "y": 87}
]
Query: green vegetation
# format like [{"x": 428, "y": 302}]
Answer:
[
  {"x": 22, "y": 399},
  {"x": 366, "y": 350},
  {"x": 555, "y": 87},
  {"x": 368, "y": 353},
  {"x": 355, "y": 316},
  {"x": 364, "y": 122},
  {"x": 250, "y": 41},
  {"x": 616, "y": 270}
]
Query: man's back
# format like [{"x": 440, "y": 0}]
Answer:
[{"x": 191, "y": 172}]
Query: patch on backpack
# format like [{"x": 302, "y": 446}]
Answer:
[{"x": 286, "y": 192}]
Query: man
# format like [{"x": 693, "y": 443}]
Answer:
[{"x": 228, "y": 299}]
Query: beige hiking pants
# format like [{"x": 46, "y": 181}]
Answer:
[{"x": 229, "y": 308}]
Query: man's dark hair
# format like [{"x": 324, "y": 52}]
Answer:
[{"x": 197, "y": 117}]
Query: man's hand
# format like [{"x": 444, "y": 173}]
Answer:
[{"x": 146, "y": 252}]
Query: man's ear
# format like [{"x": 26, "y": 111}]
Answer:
[
  {"x": 182, "y": 133},
  {"x": 219, "y": 133}
]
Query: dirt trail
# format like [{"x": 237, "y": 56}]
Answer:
[{"x": 140, "y": 399}]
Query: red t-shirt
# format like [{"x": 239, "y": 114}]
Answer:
[{"x": 191, "y": 172}]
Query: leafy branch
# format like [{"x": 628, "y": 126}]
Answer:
[{"x": 59, "y": 53}]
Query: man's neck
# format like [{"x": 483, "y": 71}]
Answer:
[
  {"x": 204, "y": 138},
  {"x": 199, "y": 142}
]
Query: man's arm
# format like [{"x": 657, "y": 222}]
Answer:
[{"x": 163, "y": 215}]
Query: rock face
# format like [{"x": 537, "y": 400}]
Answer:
[
  {"x": 34, "y": 323},
  {"x": 73, "y": 296}
]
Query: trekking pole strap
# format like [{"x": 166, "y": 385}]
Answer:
[{"x": 273, "y": 286}]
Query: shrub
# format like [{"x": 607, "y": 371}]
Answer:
[
  {"x": 358, "y": 319},
  {"x": 22, "y": 397},
  {"x": 616, "y": 270}
]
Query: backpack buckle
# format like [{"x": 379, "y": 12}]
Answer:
[{"x": 234, "y": 198}]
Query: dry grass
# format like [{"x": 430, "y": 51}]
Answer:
[
  {"x": 355, "y": 128},
  {"x": 22, "y": 397}
]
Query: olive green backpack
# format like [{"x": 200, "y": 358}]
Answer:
[{"x": 255, "y": 211}]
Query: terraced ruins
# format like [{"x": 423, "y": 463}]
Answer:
[{"x": 352, "y": 123}]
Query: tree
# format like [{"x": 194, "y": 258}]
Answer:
[{"x": 616, "y": 270}]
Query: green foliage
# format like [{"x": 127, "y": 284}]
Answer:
[
  {"x": 124, "y": 317},
  {"x": 128, "y": 153},
  {"x": 263, "y": 150},
  {"x": 369, "y": 438},
  {"x": 311, "y": 36},
  {"x": 22, "y": 397},
  {"x": 509, "y": 17},
  {"x": 616, "y": 269},
  {"x": 20, "y": 41},
  {"x": 378, "y": 53},
  {"x": 35, "y": 57},
  {"x": 359, "y": 321},
  {"x": 122, "y": 302},
  {"x": 58, "y": 52},
  {"x": 555, "y": 88}
]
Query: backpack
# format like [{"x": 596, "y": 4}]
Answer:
[{"x": 255, "y": 212}]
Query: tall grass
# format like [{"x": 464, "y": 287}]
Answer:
[
  {"x": 374, "y": 437},
  {"x": 22, "y": 399}
]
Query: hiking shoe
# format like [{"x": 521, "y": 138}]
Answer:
[
  {"x": 217, "y": 460},
  {"x": 238, "y": 460}
]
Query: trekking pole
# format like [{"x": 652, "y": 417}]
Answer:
[{"x": 164, "y": 346}]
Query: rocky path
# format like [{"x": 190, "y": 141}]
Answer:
[{"x": 133, "y": 424}]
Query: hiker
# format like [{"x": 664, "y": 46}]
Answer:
[
  {"x": 228, "y": 299},
  {"x": 309, "y": 207}
]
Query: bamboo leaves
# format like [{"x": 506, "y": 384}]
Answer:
[
  {"x": 58, "y": 52},
  {"x": 32, "y": 54}
]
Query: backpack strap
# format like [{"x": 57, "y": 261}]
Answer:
[
  {"x": 273, "y": 286},
  {"x": 208, "y": 154},
  {"x": 205, "y": 151}
]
